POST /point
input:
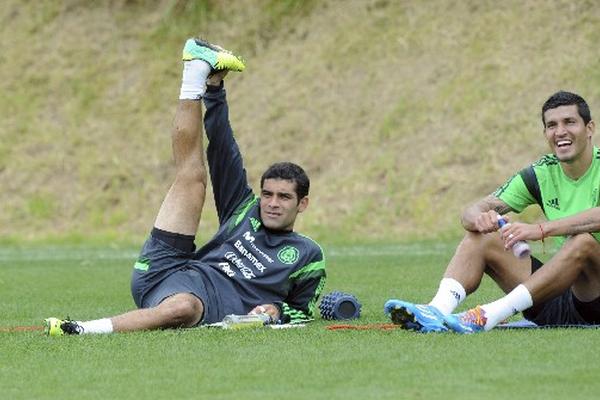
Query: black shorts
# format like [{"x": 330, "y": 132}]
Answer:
[
  {"x": 163, "y": 270},
  {"x": 564, "y": 309}
]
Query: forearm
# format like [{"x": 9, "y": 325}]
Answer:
[
  {"x": 225, "y": 162},
  {"x": 300, "y": 305},
  {"x": 585, "y": 222},
  {"x": 471, "y": 216}
]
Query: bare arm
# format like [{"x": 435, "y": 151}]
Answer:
[
  {"x": 585, "y": 222},
  {"x": 482, "y": 216}
]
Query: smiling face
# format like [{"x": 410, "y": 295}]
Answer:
[
  {"x": 568, "y": 136},
  {"x": 279, "y": 204}
]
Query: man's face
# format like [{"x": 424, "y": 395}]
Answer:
[
  {"x": 279, "y": 204},
  {"x": 567, "y": 135}
]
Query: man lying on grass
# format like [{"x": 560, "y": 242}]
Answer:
[
  {"x": 255, "y": 263},
  {"x": 564, "y": 291}
]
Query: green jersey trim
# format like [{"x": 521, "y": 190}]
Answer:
[
  {"x": 296, "y": 316},
  {"x": 313, "y": 270},
  {"x": 312, "y": 304},
  {"x": 315, "y": 242},
  {"x": 242, "y": 210}
]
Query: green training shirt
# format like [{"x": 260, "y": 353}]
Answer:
[{"x": 545, "y": 183}]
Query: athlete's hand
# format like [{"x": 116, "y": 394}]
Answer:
[
  {"x": 270, "y": 309},
  {"x": 487, "y": 222},
  {"x": 520, "y": 231},
  {"x": 216, "y": 78}
]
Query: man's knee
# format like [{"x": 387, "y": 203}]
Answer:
[
  {"x": 483, "y": 243},
  {"x": 193, "y": 173},
  {"x": 582, "y": 246},
  {"x": 182, "y": 310}
]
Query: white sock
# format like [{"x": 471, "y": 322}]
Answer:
[
  {"x": 193, "y": 82},
  {"x": 517, "y": 300},
  {"x": 103, "y": 325},
  {"x": 449, "y": 295}
]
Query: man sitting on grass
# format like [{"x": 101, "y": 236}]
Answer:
[
  {"x": 564, "y": 291},
  {"x": 255, "y": 263}
]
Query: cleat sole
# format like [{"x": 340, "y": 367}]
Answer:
[{"x": 403, "y": 317}]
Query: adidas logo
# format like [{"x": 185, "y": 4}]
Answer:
[
  {"x": 553, "y": 203},
  {"x": 255, "y": 223}
]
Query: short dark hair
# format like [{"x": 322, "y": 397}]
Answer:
[
  {"x": 290, "y": 172},
  {"x": 563, "y": 98}
]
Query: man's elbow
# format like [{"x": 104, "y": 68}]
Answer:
[{"x": 466, "y": 220}]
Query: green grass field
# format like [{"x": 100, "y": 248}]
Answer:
[{"x": 304, "y": 363}]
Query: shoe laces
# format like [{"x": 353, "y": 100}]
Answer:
[
  {"x": 71, "y": 327},
  {"x": 212, "y": 46},
  {"x": 474, "y": 316}
]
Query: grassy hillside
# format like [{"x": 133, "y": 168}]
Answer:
[{"x": 402, "y": 112}]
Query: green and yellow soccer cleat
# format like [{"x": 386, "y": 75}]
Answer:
[
  {"x": 218, "y": 58},
  {"x": 60, "y": 327}
]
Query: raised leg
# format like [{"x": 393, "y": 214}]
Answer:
[{"x": 182, "y": 207}]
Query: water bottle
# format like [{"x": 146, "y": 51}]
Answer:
[
  {"x": 234, "y": 321},
  {"x": 520, "y": 249}
]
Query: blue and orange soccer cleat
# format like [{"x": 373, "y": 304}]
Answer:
[
  {"x": 218, "y": 58},
  {"x": 470, "y": 321},
  {"x": 416, "y": 317}
]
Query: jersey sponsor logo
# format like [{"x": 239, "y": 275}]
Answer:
[
  {"x": 248, "y": 236},
  {"x": 553, "y": 203},
  {"x": 255, "y": 223},
  {"x": 225, "y": 267},
  {"x": 250, "y": 239},
  {"x": 288, "y": 255},
  {"x": 244, "y": 251},
  {"x": 239, "y": 264}
]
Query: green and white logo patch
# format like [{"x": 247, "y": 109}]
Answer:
[
  {"x": 288, "y": 255},
  {"x": 142, "y": 264}
]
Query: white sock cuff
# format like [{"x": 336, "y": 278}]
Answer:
[
  {"x": 517, "y": 300},
  {"x": 454, "y": 286},
  {"x": 521, "y": 298},
  {"x": 449, "y": 295},
  {"x": 103, "y": 325},
  {"x": 193, "y": 81}
]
